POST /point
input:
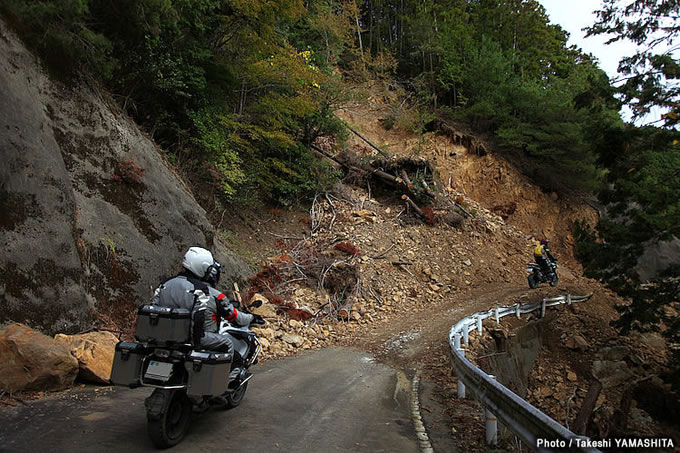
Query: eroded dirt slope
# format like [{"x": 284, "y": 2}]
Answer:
[{"x": 402, "y": 283}]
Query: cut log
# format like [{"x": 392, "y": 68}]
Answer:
[
  {"x": 586, "y": 411},
  {"x": 428, "y": 191},
  {"x": 344, "y": 311},
  {"x": 406, "y": 179},
  {"x": 351, "y": 162},
  {"x": 412, "y": 205}
]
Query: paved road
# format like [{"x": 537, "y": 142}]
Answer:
[{"x": 332, "y": 400}]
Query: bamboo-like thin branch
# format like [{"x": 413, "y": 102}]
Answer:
[{"x": 380, "y": 255}]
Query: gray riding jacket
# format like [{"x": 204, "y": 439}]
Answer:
[{"x": 178, "y": 292}]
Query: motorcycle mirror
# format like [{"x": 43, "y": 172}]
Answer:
[{"x": 256, "y": 304}]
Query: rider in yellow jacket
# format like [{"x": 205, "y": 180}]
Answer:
[{"x": 542, "y": 255}]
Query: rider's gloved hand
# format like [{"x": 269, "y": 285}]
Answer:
[{"x": 257, "y": 319}]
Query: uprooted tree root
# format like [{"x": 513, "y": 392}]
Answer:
[
  {"x": 413, "y": 180},
  {"x": 333, "y": 272}
]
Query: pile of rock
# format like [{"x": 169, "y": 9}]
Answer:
[{"x": 35, "y": 362}]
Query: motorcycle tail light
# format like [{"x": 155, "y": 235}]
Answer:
[{"x": 164, "y": 353}]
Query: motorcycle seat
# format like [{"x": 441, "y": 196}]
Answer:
[{"x": 212, "y": 351}]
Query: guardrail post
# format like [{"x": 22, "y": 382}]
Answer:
[
  {"x": 495, "y": 312},
  {"x": 517, "y": 313},
  {"x": 543, "y": 307},
  {"x": 456, "y": 341},
  {"x": 479, "y": 325},
  {"x": 491, "y": 424},
  {"x": 466, "y": 335},
  {"x": 568, "y": 299},
  {"x": 461, "y": 386}
]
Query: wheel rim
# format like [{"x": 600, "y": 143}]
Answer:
[
  {"x": 176, "y": 418},
  {"x": 238, "y": 394}
]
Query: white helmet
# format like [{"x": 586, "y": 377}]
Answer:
[{"x": 198, "y": 260}]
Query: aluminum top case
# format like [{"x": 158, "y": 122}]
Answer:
[
  {"x": 208, "y": 372},
  {"x": 163, "y": 325}
]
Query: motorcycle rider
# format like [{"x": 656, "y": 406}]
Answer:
[
  {"x": 194, "y": 289},
  {"x": 542, "y": 255}
]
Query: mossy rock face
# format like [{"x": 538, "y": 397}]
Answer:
[{"x": 92, "y": 217}]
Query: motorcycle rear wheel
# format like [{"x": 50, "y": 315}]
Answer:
[
  {"x": 533, "y": 282},
  {"x": 169, "y": 429}
]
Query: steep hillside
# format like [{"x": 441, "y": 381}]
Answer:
[
  {"x": 488, "y": 179},
  {"x": 374, "y": 276},
  {"x": 92, "y": 215},
  {"x": 440, "y": 274}
]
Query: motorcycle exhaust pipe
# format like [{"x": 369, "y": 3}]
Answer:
[
  {"x": 244, "y": 381},
  {"x": 257, "y": 352}
]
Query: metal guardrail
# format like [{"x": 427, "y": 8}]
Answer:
[{"x": 537, "y": 430}]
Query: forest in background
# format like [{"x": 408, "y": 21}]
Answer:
[{"x": 235, "y": 91}]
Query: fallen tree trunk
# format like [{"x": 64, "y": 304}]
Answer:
[
  {"x": 384, "y": 153},
  {"x": 413, "y": 206},
  {"x": 322, "y": 154},
  {"x": 586, "y": 411},
  {"x": 406, "y": 179},
  {"x": 366, "y": 169},
  {"x": 352, "y": 162}
]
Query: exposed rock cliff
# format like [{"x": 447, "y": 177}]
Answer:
[{"x": 91, "y": 215}]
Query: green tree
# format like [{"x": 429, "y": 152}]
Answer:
[
  {"x": 643, "y": 164},
  {"x": 650, "y": 77}
]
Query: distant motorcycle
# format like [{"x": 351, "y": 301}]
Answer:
[
  {"x": 538, "y": 275},
  {"x": 185, "y": 379}
]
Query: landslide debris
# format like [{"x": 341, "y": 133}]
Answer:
[{"x": 581, "y": 362}]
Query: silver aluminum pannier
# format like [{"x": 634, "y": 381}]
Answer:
[{"x": 208, "y": 372}]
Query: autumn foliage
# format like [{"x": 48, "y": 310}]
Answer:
[
  {"x": 128, "y": 171},
  {"x": 348, "y": 248},
  {"x": 429, "y": 216}
]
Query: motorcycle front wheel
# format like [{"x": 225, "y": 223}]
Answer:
[
  {"x": 170, "y": 427},
  {"x": 554, "y": 281}
]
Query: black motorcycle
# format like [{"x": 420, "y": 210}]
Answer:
[
  {"x": 185, "y": 379},
  {"x": 538, "y": 275}
]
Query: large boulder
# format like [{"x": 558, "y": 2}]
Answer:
[
  {"x": 33, "y": 361},
  {"x": 612, "y": 373},
  {"x": 94, "y": 351},
  {"x": 657, "y": 258},
  {"x": 78, "y": 178},
  {"x": 266, "y": 310}
]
